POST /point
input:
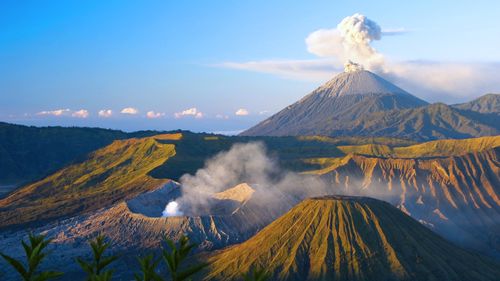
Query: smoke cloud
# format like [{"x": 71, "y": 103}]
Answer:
[
  {"x": 274, "y": 191},
  {"x": 350, "y": 66},
  {"x": 250, "y": 163},
  {"x": 171, "y": 210},
  {"x": 349, "y": 41},
  {"x": 246, "y": 163}
]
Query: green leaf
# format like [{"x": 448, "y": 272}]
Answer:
[
  {"x": 34, "y": 256},
  {"x": 16, "y": 265},
  {"x": 47, "y": 275},
  {"x": 95, "y": 269}
]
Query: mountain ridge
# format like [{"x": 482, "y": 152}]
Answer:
[
  {"x": 362, "y": 103},
  {"x": 489, "y": 103},
  {"x": 349, "y": 238}
]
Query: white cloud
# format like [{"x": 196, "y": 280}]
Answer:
[
  {"x": 57, "y": 112},
  {"x": 154, "y": 115},
  {"x": 221, "y": 116},
  {"x": 309, "y": 70},
  {"x": 105, "y": 113},
  {"x": 454, "y": 81},
  {"x": 82, "y": 113},
  {"x": 394, "y": 31},
  {"x": 432, "y": 80},
  {"x": 241, "y": 112},
  {"x": 264, "y": 112},
  {"x": 129, "y": 110},
  {"x": 193, "y": 112}
]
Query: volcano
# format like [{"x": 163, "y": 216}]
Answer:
[
  {"x": 361, "y": 103},
  {"x": 344, "y": 98},
  {"x": 350, "y": 238}
]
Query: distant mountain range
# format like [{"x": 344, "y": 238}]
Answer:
[
  {"x": 361, "y": 103},
  {"x": 489, "y": 103}
]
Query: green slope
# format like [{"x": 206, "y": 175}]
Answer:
[
  {"x": 427, "y": 149},
  {"x": 28, "y": 153},
  {"x": 116, "y": 172},
  {"x": 339, "y": 238},
  {"x": 129, "y": 166}
]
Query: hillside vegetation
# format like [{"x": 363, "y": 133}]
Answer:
[
  {"x": 339, "y": 238},
  {"x": 116, "y": 172},
  {"x": 127, "y": 167},
  {"x": 426, "y": 149},
  {"x": 458, "y": 196},
  {"x": 29, "y": 153}
]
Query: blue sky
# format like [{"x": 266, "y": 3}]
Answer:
[{"x": 172, "y": 56}]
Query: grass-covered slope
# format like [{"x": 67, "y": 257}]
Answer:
[
  {"x": 127, "y": 167},
  {"x": 426, "y": 149},
  {"x": 116, "y": 172},
  {"x": 28, "y": 153},
  {"x": 456, "y": 195},
  {"x": 339, "y": 238}
]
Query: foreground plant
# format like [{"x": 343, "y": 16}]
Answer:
[
  {"x": 35, "y": 254},
  {"x": 96, "y": 269},
  {"x": 176, "y": 256},
  {"x": 257, "y": 275},
  {"x": 148, "y": 266}
]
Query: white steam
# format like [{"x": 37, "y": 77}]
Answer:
[
  {"x": 349, "y": 41},
  {"x": 276, "y": 190},
  {"x": 350, "y": 66},
  {"x": 245, "y": 163},
  {"x": 171, "y": 210}
]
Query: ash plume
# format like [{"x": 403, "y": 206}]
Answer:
[
  {"x": 350, "y": 40},
  {"x": 246, "y": 163},
  {"x": 250, "y": 163}
]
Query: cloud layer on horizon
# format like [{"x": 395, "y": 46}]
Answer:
[
  {"x": 129, "y": 110},
  {"x": 153, "y": 115},
  {"x": 82, "y": 113},
  {"x": 105, "y": 113},
  {"x": 190, "y": 112},
  {"x": 241, "y": 112}
]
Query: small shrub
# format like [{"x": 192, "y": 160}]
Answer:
[
  {"x": 176, "y": 256},
  {"x": 35, "y": 254},
  {"x": 148, "y": 266},
  {"x": 96, "y": 269}
]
